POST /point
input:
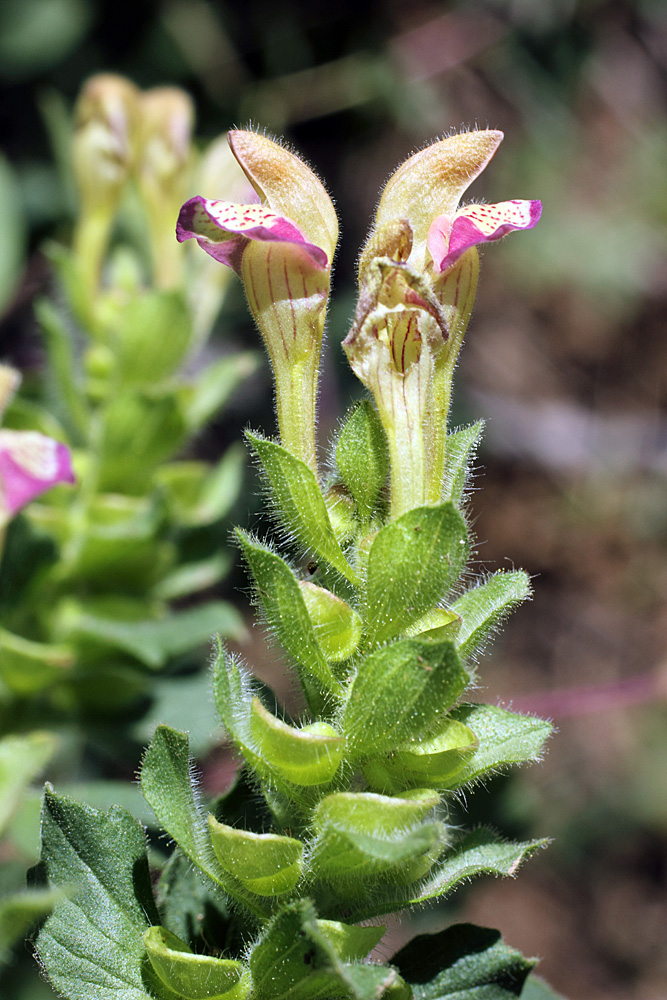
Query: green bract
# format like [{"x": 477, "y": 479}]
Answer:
[{"x": 341, "y": 814}]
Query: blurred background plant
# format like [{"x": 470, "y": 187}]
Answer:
[
  {"x": 107, "y": 588},
  {"x": 566, "y": 352}
]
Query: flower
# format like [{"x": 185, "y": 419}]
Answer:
[
  {"x": 282, "y": 247},
  {"x": 164, "y": 154},
  {"x": 30, "y": 464},
  {"x": 224, "y": 230},
  {"x": 104, "y": 148},
  {"x": 418, "y": 277}
]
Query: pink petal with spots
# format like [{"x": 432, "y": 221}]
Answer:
[
  {"x": 478, "y": 224},
  {"x": 223, "y": 229},
  {"x": 30, "y": 464}
]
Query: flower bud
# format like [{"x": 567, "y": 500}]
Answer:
[
  {"x": 105, "y": 137},
  {"x": 163, "y": 169},
  {"x": 103, "y": 155}
]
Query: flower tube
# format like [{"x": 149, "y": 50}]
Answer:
[
  {"x": 282, "y": 248},
  {"x": 420, "y": 226}
]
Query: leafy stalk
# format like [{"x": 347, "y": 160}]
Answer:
[{"x": 354, "y": 817}]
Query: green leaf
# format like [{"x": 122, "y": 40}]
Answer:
[
  {"x": 27, "y": 667},
  {"x": 352, "y": 863},
  {"x": 476, "y": 740},
  {"x": 198, "y": 494},
  {"x": 480, "y": 852},
  {"x": 401, "y": 692},
  {"x": 503, "y": 738},
  {"x": 362, "y": 456},
  {"x": 154, "y": 642},
  {"x": 62, "y": 371},
  {"x": 202, "y": 399},
  {"x": 412, "y": 564},
  {"x": 300, "y": 504},
  {"x": 91, "y": 946},
  {"x": 537, "y": 989},
  {"x": 150, "y": 334},
  {"x": 427, "y": 763},
  {"x": 461, "y": 449},
  {"x": 19, "y": 911},
  {"x": 196, "y": 977},
  {"x": 379, "y": 815},
  {"x": 463, "y": 962},
  {"x": 361, "y": 836},
  {"x": 266, "y": 863},
  {"x": 337, "y": 626},
  {"x": 121, "y": 545},
  {"x": 351, "y": 942},
  {"x": 191, "y": 577},
  {"x": 296, "y": 960},
  {"x": 167, "y": 784},
  {"x": 440, "y": 623},
  {"x": 307, "y": 756},
  {"x": 13, "y": 234},
  {"x": 140, "y": 431},
  {"x": 287, "y": 614},
  {"x": 482, "y": 608},
  {"x": 233, "y": 691}
]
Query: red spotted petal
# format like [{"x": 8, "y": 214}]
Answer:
[
  {"x": 30, "y": 464},
  {"x": 223, "y": 229},
  {"x": 449, "y": 238}
]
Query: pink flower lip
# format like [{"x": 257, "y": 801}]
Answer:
[
  {"x": 223, "y": 230},
  {"x": 30, "y": 464},
  {"x": 449, "y": 238}
]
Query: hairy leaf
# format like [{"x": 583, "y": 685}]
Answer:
[
  {"x": 300, "y": 503},
  {"x": 503, "y": 738},
  {"x": 286, "y": 612},
  {"x": 362, "y": 456},
  {"x": 412, "y": 564},
  {"x": 308, "y": 756},
  {"x": 295, "y": 959},
  {"x": 92, "y": 944},
  {"x": 463, "y": 962},
  {"x": 461, "y": 448},
  {"x": 479, "y": 852},
  {"x": 401, "y": 692},
  {"x": 483, "y": 607},
  {"x": 167, "y": 784},
  {"x": 196, "y": 977},
  {"x": 266, "y": 863}
]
